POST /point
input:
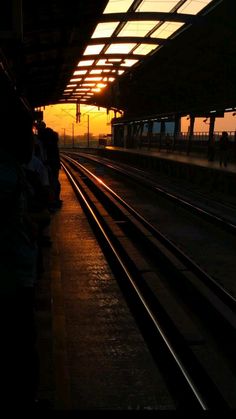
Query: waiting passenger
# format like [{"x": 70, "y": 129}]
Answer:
[
  {"x": 224, "y": 146},
  {"x": 18, "y": 252}
]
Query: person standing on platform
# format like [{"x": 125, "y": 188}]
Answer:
[
  {"x": 18, "y": 255},
  {"x": 224, "y": 146}
]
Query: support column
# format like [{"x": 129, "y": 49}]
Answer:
[
  {"x": 190, "y": 137},
  {"x": 162, "y": 133},
  {"x": 150, "y": 129},
  {"x": 176, "y": 130}
]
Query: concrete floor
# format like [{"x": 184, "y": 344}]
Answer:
[{"x": 92, "y": 354}]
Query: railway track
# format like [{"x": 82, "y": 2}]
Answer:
[{"x": 176, "y": 304}]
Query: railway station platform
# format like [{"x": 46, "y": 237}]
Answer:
[{"x": 92, "y": 355}]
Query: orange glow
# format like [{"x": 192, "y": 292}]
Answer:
[{"x": 62, "y": 118}]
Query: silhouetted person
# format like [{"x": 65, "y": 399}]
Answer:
[
  {"x": 18, "y": 252},
  {"x": 224, "y": 146}
]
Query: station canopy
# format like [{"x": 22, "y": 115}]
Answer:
[
  {"x": 119, "y": 53},
  {"x": 127, "y": 32}
]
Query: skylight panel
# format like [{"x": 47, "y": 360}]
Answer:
[
  {"x": 114, "y": 60},
  {"x": 101, "y": 85},
  {"x": 85, "y": 63},
  {"x": 93, "y": 78},
  {"x": 104, "y": 62},
  {"x": 128, "y": 63},
  {"x": 157, "y": 5},
  {"x": 93, "y": 49},
  {"x": 76, "y": 79},
  {"x": 137, "y": 28},
  {"x": 144, "y": 49},
  {"x": 108, "y": 79},
  {"x": 88, "y": 84},
  {"x": 166, "y": 29},
  {"x": 96, "y": 89},
  {"x": 95, "y": 72},
  {"x": 104, "y": 30},
  {"x": 82, "y": 89},
  {"x": 120, "y": 48},
  {"x": 79, "y": 72},
  {"x": 118, "y": 6},
  {"x": 71, "y": 85},
  {"x": 120, "y": 72},
  {"x": 192, "y": 7}
]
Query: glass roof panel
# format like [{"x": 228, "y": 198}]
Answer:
[
  {"x": 101, "y": 85},
  {"x": 137, "y": 28},
  {"x": 76, "y": 79},
  {"x": 88, "y": 84},
  {"x": 95, "y": 72},
  {"x": 115, "y": 60},
  {"x": 104, "y": 30},
  {"x": 128, "y": 63},
  {"x": 104, "y": 62},
  {"x": 157, "y": 5},
  {"x": 116, "y": 6},
  {"x": 166, "y": 29},
  {"x": 144, "y": 49},
  {"x": 121, "y": 72},
  {"x": 93, "y": 78},
  {"x": 192, "y": 7},
  {"x": 93, "y": 49},
  {"x": 85, "y": 63},
  {"x": 120, "y": 48},
  {"x": 79, "y": 72}
]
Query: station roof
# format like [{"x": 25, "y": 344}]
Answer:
[{"x": 142, "y": 56}]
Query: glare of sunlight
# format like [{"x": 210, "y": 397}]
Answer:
[
  {"x": 104, "y": 30},
  {"x": 166, "y": 30},
  {"x": 137, "y": 28},
  {"x": 192, "y": 7}
]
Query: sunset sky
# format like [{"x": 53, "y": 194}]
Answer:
[{"x": 63, "y": 117}]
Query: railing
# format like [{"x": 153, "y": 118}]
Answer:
[{"x": 198, "y": 145}]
